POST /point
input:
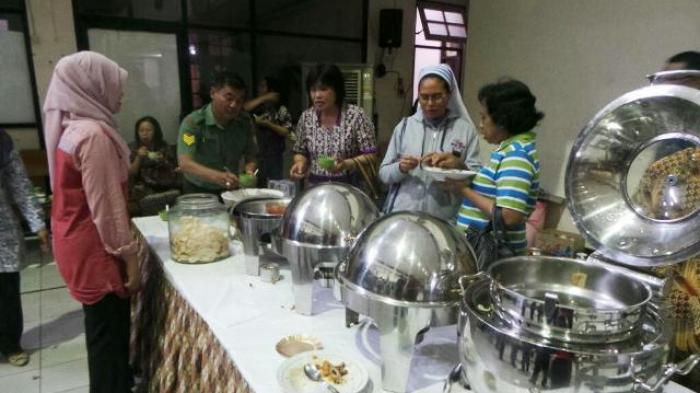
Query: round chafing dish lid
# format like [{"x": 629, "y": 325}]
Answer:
[
  {"x": 633, "y": 177},
  {"x": 408, "y": 257},
  {"x": 328, "y": 214}
]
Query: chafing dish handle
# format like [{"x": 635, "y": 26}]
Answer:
[
  {"x": 682, "y": 368},
  {"x": 455, "y": 375}
]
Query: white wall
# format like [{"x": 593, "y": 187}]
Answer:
[
  {"x": 52, "y": 34},
  {"x": 576, "y": 56},
  {"x": 390, "y": 106}
]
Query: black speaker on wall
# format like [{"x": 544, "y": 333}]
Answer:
[{"x": 390, "y": 21}]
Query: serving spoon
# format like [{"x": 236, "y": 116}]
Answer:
[{"x": 315, "y": 375}]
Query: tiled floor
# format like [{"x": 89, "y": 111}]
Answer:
[{"x": 53, "y": 334}]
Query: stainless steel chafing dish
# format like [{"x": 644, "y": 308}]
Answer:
[
  {"x": 544, "y": 324},
  {"x": 256, "y": 219},
  {"x": 403, "y": 272},
  {"x": 317, "y": 231}
]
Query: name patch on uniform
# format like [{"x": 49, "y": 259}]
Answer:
[{"x": 188, "y": 139}]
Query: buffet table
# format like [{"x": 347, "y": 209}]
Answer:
[{"x": 212, "y": 328}]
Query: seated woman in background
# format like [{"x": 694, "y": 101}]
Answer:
[
  {"x": 510, "y": 180},
  {"x": 440, "y": 133},
  {"x": 153, "y": 180},
  {"x": 335, "y": 140},
  {"x": 274, "y": 126}
]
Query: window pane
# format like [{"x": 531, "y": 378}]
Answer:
[
  {"x": 282, "y": 57},
  {"x": 219, "y": 12},
  {"x": 11, "y": 4},
  {"x": 211, "y": 52},
  {"x": 153, "y": 86},
  {"x": 434, "y": 15},
  {"x": 424, "y": 57},
  {"x": 454, "y": 17},
  {"x": 420, "y": 35},
  {"x": 457, "y": 31},
  {"x": 437, "y": 29},
  {"x": 14, "y": 68},
  {"x": 156, "y": 9},
  {"x": 318, "y": 17}
]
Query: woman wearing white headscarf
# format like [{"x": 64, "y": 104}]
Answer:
[
  {"x": 441, "y": 134},
  {"x": 89, "y": 168}
]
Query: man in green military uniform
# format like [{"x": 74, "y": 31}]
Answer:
[{"x": 212, "y": 140}]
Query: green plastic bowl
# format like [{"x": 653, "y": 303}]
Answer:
[
  {"x": 326, "y": 162},
  {"x": 246, "y": 181}
]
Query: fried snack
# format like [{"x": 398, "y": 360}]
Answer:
[
  {"x": 275, "y": 208},
  {"x": 331, "y": 373},
  {"x": 197, "y": 242}
]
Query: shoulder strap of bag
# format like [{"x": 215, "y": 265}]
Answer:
[{"x": 394, "y": 190}]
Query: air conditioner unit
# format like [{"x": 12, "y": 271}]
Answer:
[{"x": 359, "y": 85}]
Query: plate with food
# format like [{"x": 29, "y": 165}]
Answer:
[
  {"x": 232, "y": 198},
  {"x": 342, "y": 372},
  {"x": 440, "y": 174}
]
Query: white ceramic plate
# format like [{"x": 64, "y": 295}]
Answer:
[
  {"x": 232, "y": 198},
  {"x": 292, "y": 379},
  {"x": 440, "y": 174}
]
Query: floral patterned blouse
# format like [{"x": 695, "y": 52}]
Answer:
[
  {"x": 15, "y": 188},
  {"x": 352, "y": 135}
]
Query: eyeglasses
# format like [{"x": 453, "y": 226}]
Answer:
[{"x": 436, "y": 98}]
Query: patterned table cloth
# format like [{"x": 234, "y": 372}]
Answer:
[{"x": 174, "y": 348}]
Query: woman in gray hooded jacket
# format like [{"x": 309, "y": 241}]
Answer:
[{"x": 439, "y": 134}]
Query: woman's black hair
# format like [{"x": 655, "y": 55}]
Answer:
[
  {"x": 445, "y": 83},
  {"x": 511, "y": 105},
  {"x": 157, "y": 131},
  {"x": 328, "y": 75}
]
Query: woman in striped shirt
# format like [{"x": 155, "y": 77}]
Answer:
[{"x": 510, "y": 180}]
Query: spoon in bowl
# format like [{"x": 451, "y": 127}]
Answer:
[{"x": 315, "y": 375}]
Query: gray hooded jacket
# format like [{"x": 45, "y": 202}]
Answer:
[{"x": 418, "y": 136}]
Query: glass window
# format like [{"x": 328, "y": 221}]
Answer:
[
  {"x": 152, "y": 87},
  {"x": 14, "y": 68},
  {"x": 282, "y": 57},
  {"x": 434, "y": 15},
  {"x": 168, "y": 10},
  {"x": 442, "y": 21},
  {"x": 314, "y": 17},
  {"x": 17, "y": 4},
  {"x": 211, "y": 52},
  {"x": 219, "y": 12}
]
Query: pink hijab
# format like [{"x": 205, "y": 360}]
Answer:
[{"x": 84, "y": 86}]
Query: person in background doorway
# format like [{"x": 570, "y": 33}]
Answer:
[
  {"x": 274, "y": 126},
  {"x": 152, "y": 173},
  {"x": 335, "y": 140},
  {"x": 94, "y": 247},
  {"x": 15, "y": 189},
  {"x": 440, "y": 133},
  {"x": 212, "y": 140}
]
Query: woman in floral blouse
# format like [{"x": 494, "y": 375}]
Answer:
[
  {"x": 332, "y": 128},
  {"x": 16, "y": 189}
]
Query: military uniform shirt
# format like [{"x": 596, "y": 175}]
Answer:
[{"x": 213, "y": 145}]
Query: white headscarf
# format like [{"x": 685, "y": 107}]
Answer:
[
  {"x": 455, "y": 103},
  {"x": 84, "y": 85}
]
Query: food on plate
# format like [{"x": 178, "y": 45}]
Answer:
[
  {"x": 275, "y": 208},
  {"x": 197, "y": 242},
  {"x": 332, "y": 373}
]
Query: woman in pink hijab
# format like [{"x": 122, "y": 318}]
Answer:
[{"x": 94, "y": 249}]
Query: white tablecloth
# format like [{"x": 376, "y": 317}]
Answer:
[{"x": 249, "y": 317}]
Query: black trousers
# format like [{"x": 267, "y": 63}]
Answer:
[
  {"x": 11, "y": 318},
  {"x": 107, "y": 330}
]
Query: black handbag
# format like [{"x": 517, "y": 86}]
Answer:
[{"x": 489, "y": 244}]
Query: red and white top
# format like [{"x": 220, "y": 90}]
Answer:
[{"x": 89, "y": 218}]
